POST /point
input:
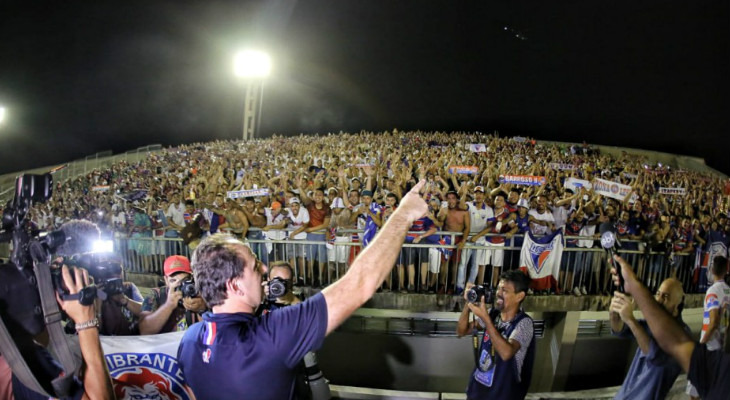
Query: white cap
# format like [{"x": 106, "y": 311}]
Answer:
[
  {"x": 294, "y": 200},
  {"x": 523, "y": 203}
]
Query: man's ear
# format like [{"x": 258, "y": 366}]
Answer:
[
  {"x": 521, "y": 296},
  {"x": 233, "y": 286}
]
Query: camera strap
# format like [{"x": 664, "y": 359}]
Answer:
[
  {"x": 16, "y": 361},
  {"x": 475, "y": 340},
  {"x": 62, "y": 384},
  {"x": 189, "y": 318}
]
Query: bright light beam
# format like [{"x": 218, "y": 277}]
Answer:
[
  {"x": 103, "y": 246},
  {"x": 2, "y": 114},
  {"x": 252, "y": 64}
]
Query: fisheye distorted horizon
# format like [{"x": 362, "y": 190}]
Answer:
[{"x": 78, "y": 78}]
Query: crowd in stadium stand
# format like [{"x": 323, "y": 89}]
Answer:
[{"x": 338, "y": 189}]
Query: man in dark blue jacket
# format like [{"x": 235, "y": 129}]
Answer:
[{"x": 233, "y": 354}]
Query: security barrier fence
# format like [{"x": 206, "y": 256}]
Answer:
[{"x": 429, "y": 268}]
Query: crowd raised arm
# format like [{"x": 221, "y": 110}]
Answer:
[{"x": 669, "y": 209}]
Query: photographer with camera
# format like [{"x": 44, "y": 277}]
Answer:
[
  {"x": 94, "y": 382},
  {"x": 505, "y": 357},
  {"x": 278, "y": 287},
  {"x": 175, "y": 306},
  {"x": 310, "y": 382},
  {"x": 119, "y": 313}
]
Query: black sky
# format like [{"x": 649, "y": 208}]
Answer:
[{"x": 81, "y": 77}]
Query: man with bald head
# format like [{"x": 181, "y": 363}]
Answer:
[{"x": 652, "y": 372}]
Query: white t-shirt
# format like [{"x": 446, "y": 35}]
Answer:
[
  {"x": 177, "y": 214},
  {"x": 478, "y": 216},
  {"x": 296, "y": 222},
  {"x": 588, "y": 230},
  {"x": 717, "y": 297},
  {"x": 119, "y": 219},
  {"x": 274, "y": 234},
  {"x": 537, "y": 229},
  {"x": 560, "y": 215}
]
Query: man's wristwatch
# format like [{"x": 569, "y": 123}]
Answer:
[{"x": 92, "y": 323}]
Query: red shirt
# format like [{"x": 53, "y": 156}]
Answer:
[{"x": 318, "y": 215}]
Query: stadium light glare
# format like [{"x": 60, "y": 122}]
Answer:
[
  {"x": 2, "y": 114},
  {"x": 252, "y": 64}
]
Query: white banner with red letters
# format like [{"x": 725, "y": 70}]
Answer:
[
  {"x": 145, "y": 367},
  {"x": 610, "y": 189}
]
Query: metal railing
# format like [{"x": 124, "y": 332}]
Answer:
[{"x": 426, "y": 268}]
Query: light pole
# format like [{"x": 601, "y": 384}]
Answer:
[{"x": 253, "y": 66}]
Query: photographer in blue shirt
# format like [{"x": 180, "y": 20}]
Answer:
[{"x": 233, "y": 354}]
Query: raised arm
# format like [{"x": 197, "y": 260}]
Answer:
[
  {"x": 372, "y": 265},
  {"x": 668, "y": 334}
]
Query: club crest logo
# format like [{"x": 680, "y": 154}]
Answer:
[
  {"x": 153, "y": 376},
  {"x": 206, "y": 355},
  {"x": 539, "y": 259}
]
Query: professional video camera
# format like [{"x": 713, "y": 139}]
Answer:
[
  {"x": 105, "y": 270},
  {"x": 20, "y": 293},
  {"x": 31, "y": 281},
  {"x": 475, "y": 294},
  {"x": 188, "y": 289}
]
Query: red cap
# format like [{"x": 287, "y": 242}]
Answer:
[{"x": 174, "y": 264}]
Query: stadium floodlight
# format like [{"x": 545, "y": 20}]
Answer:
[
  {"x": 252, "y": 64},
  {"x": 2, "y": 114}
]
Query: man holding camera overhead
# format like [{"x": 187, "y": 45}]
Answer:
[
  {"x": 507, "y": 351},
  {"x": 175, "y": 306}
]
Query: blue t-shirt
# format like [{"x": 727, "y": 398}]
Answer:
[
  {"x": 651, "y": 375},
  {"x": 241, "y": 356}
]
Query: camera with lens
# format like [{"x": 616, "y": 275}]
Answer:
[
  {"x": 188, "y": 289},
  {"x": 278, "y": 287},
  {"x": 107, "y": 273},
  {"x": 475, "y": 294}
]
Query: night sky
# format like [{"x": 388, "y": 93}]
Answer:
[{"x": 88, "y": 76}]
